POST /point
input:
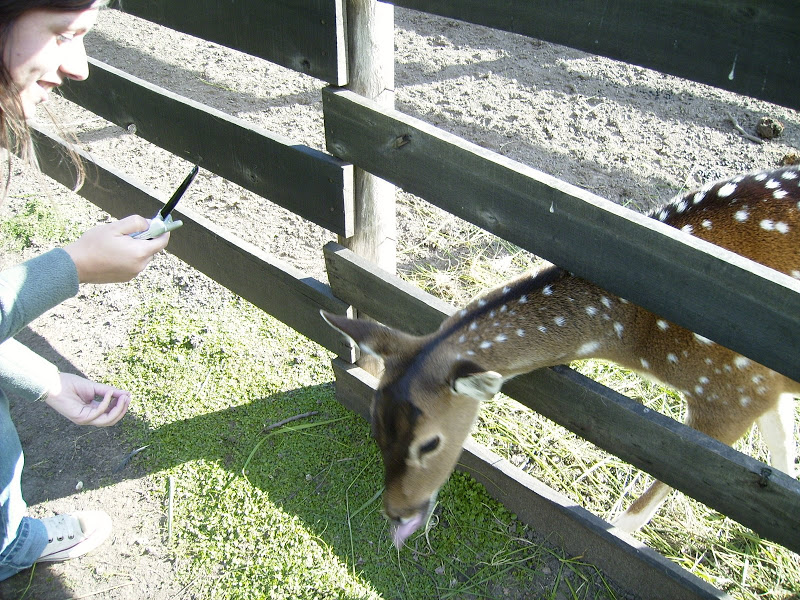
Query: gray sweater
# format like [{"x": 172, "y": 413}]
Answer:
[{"x": 26, "y": 291}]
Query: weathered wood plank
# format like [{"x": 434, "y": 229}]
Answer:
[
  {"x": 746, "y": 46},
  {"x": 312, "y": 184},
  {"x": 745, "y": 489},
  {"x": 629, "y": 562},
  {"x": 756, "y": 311},
  {"x": 356, "y": 281},
  {"x": 303, "y": 35},
  {"x": 274, "y": 286}
]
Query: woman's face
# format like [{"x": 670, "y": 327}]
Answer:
[{"x": 44, "y": 48}]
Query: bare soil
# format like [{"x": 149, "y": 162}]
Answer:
[{"x": 628, "y": 134}]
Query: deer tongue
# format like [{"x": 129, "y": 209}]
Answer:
[{"x": 402, "y": 531}]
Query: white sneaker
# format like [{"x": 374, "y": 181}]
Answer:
[{"x": 75, "y": 534}]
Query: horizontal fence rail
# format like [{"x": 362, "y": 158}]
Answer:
[
  {"x": 747, "y": 490},
  {"x": 750, "y": 47},
  {"x": 756, "y": 310},
  {"x": 310, "y": 183},
  {"x": 241, "y": 267},
  {"x": 304, "y": 35}
]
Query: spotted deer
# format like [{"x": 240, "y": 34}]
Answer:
[{"x": 432, "y": 386}]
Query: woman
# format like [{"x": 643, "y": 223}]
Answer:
[{"x": 41, "y": 45}]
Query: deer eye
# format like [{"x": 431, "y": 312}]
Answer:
[{"x": 429, "y": 446}]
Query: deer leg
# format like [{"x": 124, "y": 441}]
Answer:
[
  {"x": 777, "y": 429},
  {"x": 643, "y": 509}
]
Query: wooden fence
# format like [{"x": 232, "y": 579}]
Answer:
[{"x": 690, "y": 282}]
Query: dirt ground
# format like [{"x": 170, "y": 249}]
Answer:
[{"x": 625, "y": 133}]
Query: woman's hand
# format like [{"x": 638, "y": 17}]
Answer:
[
  {"x": 86, "y": 402},
  {"x": 107, "y": 253}
]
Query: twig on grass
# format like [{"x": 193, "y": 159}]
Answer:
[
  {"x": 289, "y": 420},
  {"x": 128, "y": 458},
  {"x": 270, "y": 431},
  {"x": 170, "y": 502},
  {"x": 738, "y": 128}
]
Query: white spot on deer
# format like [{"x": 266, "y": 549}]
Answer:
[
  {"x": 501, "y": 338},
  {"x": 698, "y": 390},
  {"x": 741, "y": 216},
  {"x": 547, "y": 290},
  {"x": 520, "y": 333},
  {"x": 726, "y": 190},
  {"x": 588, "y": 348},
  {"x": 672, "y": 357},
  {"x": 706, "y": 224},
  {"x": 772, "y": 184},
  {"x": 560, "y": 321},
  {"x": 470, "y": 353},
  {"x": 782, "y": 227},
  {"x": 789, "y": 175},
  {"x": 687, "y": 229},
  {"x": 462, "y": 338},
  {"x": 761, "y": 176},
  {"x": 473, "y": 326},
  {"x": 492, "y": 315},
  {"x": 591, "y": 311},
  {"x": 757, "y": 379},
  {"x": 704, "y": 380},
  {"x": 485, "y": 345},
  {"x": 796, "y": 274},
  {"x": 662, "y": 324},
  {"x": 645, "y": 363},
  {"x": 662, "y": 215},
  {"x": 463, "y": 313},
  {"x": 744, "y": 400},
  {"x": 481, "y": 302},
  {"x": 523, "y": 299},
  {"x": 698, "y": 197},
  {"x": 702, "y": 340},
  {"x": 767, "y": 225},
  {"x": 681, "y": 208},
  {"x": 542, "y": 328},
  {"x": 741, "y": 362},
  {"x": 709, "y": 361},
  {"x": 504, "y": 308},
  {"x": 619, "y": 328},
  {"x": 779, "y": 194},
  {"x": 605, "y": 302},
  {"x": 506, "y": 290}
]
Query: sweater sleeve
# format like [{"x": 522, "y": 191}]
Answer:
[
  {"x": 26, "y": 291},
  {"x": 29, "y": 289},
  {"x": 23, "y": 372}
]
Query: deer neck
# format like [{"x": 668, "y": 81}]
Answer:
[{"x": 539, "y": 320}]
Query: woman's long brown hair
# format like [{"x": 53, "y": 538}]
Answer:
[{"x": 15, "y": 136}]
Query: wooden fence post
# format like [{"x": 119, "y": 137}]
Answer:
[{"x": 370, "y": 45}]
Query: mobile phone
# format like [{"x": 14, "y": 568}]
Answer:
[{"x": 162, "y": 222}]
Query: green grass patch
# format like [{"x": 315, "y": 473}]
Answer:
[
  {"x": 35, "y": 224},
  {"x": 294, "y": 511}
]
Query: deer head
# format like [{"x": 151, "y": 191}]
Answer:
[{"x": 425, "y": 406}]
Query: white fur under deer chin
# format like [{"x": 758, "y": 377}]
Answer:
[{"x": 426, "y": 399}]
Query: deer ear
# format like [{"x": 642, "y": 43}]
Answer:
[
  {"x": 471, "y": 380},
  {"x": 370, "y": 337}
]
